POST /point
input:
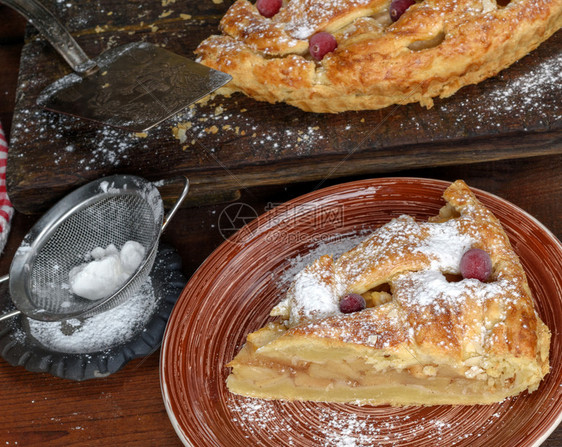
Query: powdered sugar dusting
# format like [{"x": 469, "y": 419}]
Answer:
[
  {"x": 316, "y": 291},
  {"x": 335, "y": 246},
  {"x": 432, "y": 288},
  {"x": 293, "y": 424},
  {"x": 322, "y": 298},
  {"x": 531, "y": 94},
  {"x": 305, "y": 18},
  {"x": 106, "y": 146},
  {"x": 101, "y": 331},
  {"x": 530, "y": 88},
  {"x": 202, "y": 125},
  {"x": 321, "y": 301},
  {"x": 397, "y": 238},
  {"x": 243, "y": 21}
]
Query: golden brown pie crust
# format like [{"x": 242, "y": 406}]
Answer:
[{"x": 434, "y": 49}]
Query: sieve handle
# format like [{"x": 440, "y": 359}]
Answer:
[
  {"x": 12, "y": 313},
  {"x": 180, "y": 200}
]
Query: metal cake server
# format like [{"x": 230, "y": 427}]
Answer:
[{"x": 134, "y": 86}]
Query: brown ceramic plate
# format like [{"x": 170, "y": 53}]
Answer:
[{"x": 233, "y": 291}]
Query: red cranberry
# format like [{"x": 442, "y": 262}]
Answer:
[
  {"x": 268, "y": 8},
  {"x": 399, "y": 7},
  {"x": 476, "y": 263},
  {"x": 321, "y": 44},
  {"x": 352, "y": 302}
]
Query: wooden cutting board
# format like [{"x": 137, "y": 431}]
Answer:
[{"x": 228, "y": 144}]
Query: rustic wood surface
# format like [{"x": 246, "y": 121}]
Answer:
[
  {"x": 237, "y": 142},
  {"x": 126, "y": 408}
]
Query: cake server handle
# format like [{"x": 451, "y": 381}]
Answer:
[{"x": 58, "y": 36}]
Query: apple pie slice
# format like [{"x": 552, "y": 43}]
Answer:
[{"x": 419, "y": 313}]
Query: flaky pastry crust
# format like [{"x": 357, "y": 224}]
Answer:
[{"x": 434, "y": 49}]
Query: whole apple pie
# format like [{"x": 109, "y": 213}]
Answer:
[{"x": 338, "y": 55}]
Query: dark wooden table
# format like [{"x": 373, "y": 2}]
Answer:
[{"x": 126, "y": 408}]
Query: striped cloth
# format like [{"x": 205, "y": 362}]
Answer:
[{"x": 6, "y": 209}]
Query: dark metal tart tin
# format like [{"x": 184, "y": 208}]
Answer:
[{"x": 19, "y": 348}]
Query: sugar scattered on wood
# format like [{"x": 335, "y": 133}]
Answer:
[{"x": 530, "y": 94}]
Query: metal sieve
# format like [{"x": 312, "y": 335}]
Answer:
[{"x": 111, "y": 210}]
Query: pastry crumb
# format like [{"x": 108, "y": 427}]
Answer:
[{"x": 179, "y": 131}]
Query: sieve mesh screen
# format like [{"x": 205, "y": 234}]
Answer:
[{"x": 114, "y": 219}]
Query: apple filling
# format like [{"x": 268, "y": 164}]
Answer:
[{"x": 268, "y": 367}]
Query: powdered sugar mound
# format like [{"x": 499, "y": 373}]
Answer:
[
  {"x": 445, "y": 246},
  {"x": 109, "y": 270},
  {"x": 106, "y": 187},
  {"x": 131, "y": 256}
]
